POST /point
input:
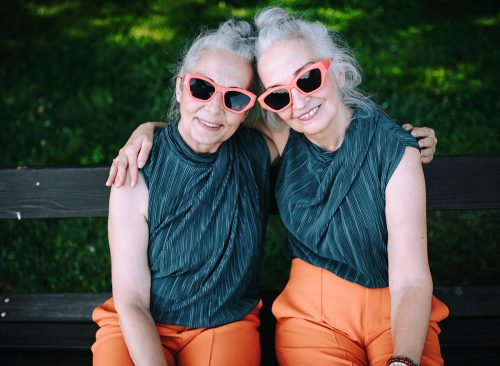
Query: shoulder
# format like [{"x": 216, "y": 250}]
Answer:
[{"x": 389, "y": 132}]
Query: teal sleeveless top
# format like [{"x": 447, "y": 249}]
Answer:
[
  {"x": 332, "y": 204},
  {"x": 206, "y": 215}
]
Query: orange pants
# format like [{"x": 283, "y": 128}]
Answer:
[
  {"x": 231, "y": 344},
  {"x": 325, "y": 320}
]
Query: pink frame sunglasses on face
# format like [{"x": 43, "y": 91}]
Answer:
[
  {"x": 307, "y": 82},
  {"x": 234, "y": 100}
]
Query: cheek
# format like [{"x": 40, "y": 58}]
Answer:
[
  {"x": 234, "y": 119},
  {"x": 285, "y": 115}
]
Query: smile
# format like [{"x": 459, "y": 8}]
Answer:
[
  {"x": 209, "y": 125},
  {"x": 309, "y": 115}
]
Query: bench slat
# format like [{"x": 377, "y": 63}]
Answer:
[
  {"x": 463, "y": 183},
  {"x": 453, "y": 183},
  {"x": 60, "y": 307},
  {"x": 53, "y": 193},
  {"x": 477, "y": 301}
]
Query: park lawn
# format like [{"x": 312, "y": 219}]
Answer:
[{"x": 76, "y": 77}]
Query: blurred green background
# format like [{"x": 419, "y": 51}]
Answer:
[{"x": 76, "y": 77}]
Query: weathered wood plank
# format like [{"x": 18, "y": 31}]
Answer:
[
  {"x": 453, "y": 183},
  {"x": 47, "y": 336},
  {"x": 463, "y": 183},
  {"x": 472, "y": 301},
  {"x": 58, "y": 307},
  {"x": 53, "y": 192}
]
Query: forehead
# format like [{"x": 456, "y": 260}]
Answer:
[
  {"x": 282, "y": 60},
  {"x": 225, "y": 68}
]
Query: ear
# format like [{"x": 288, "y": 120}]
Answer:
[
  {"x": 178, "y": 89},
  {"x": 340, "y": 77}
]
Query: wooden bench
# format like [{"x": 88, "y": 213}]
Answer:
[{"x": 56, "y": 329}]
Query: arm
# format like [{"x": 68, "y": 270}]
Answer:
[
  {"x": 410, "y": 281},
  {"x": 426, "y": 140},
  {"x": 128, "y": 239},
  {"x": 133, "y": 155}
]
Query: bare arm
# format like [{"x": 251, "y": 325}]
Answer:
[
  {"x": 133, "y": 155},
  {"x": 410, "y": 281},
  {"x": 427, "y": 141},
  {"x": 128, "y": 239}
]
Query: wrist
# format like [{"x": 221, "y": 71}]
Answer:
[{"x": 397, "y": 360}]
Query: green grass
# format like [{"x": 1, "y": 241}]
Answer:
[{"x": 76, "y": 77}]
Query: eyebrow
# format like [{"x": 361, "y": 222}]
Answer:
[{"x": 298, "y": 71}]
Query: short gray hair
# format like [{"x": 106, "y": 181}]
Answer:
[
  {"x": 234, "y": 36},
  {"x": 275, "y": 24}
]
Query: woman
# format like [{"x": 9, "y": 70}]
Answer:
[
  {"x": 351, "y": 194},
  {"x": 186, "y": 240}
]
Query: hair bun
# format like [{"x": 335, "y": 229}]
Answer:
[
  {"x": 240, "y": 27},
  {"x": 271, "y": 17}
]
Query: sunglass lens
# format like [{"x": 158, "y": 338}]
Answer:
[
  {"x": 310, "y": 81},
  {"x": 277, "y": 99},
  {"x": 201, "y": 89},
  {"x": 236, "y": 101}
]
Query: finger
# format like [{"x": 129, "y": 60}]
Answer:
[
  {"x": 122, "y": 170},
  {"x": 112, "y": 174},
  {"x": 132, "y": 165},
  {"x": 419, "y": 132},
  {"x": 407, "y": 127},
  {"x": 426, "y": 142},
  {"x": 144, "y": 153},
  {"x": 426, "y": 159}
]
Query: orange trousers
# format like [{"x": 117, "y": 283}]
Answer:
[
  {"x": 323, "y": 319},
  {"x": 231, "y": 344}
]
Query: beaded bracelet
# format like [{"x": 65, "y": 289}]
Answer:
[{"x": 401, "y": 361}]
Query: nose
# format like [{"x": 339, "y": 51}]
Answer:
[
  {"x": 299, "y": 100},
  {"x": 215, "y": 104}
]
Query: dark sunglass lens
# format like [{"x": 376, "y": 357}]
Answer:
[
  {"x": 310, "y": 81},
  {"x": 277, "y": 99},
  {"x": 236, "y": 101},
  {"x": 201, "y": 89}
]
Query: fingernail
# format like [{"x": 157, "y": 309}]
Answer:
[{"x": 140, "y": 164}]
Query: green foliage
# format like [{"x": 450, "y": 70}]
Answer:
[{"x": 77, "y": 76}]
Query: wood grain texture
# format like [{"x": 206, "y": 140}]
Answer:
[
  {"x": 53, "y": 192},
  {"x": 453, "y": 183}
]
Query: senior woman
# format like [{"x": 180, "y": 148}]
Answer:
[
  {"x": 351, "y": 195},
  {"x": 186, "y": 241}
]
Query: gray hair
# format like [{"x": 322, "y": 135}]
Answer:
[
  {"x": 234, "y": 36},
  {"x": 276, "y": 24}
]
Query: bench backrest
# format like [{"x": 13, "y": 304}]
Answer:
[{"x": 453, "y": 183}]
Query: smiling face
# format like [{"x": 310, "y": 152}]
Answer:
[
  {"x": 318, "y": 115},
  {"x": 204, "y": 126}
]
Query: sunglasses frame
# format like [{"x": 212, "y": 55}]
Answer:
[
  {"x": 323, "y": 67},
  {"x": 218, "y": 89}
]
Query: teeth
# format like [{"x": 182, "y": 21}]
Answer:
[
  {"x": 211, "y": 125},
  {"x": 309, "y": 114}
]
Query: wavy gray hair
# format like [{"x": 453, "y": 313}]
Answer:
[
  {"x": 276, "y": 24},
  {"x": 233, "y": 36}
]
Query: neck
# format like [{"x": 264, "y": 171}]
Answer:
[{"x": 332, "y": 137}]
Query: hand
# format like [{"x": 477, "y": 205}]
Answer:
[
  {"x": 427, "y": 141},
  {"x": 133, "y": 156}
]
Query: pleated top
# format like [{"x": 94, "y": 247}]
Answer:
[
  {"x": 333, "y": 203},
  {"x": 206, "y": 217}
]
